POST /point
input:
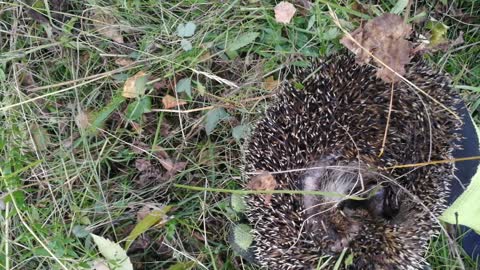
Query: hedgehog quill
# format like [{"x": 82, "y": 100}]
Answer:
[{"x": 335, "y": 123}]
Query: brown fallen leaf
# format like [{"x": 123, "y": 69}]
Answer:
[
  {"x": 135, "y": 85},
  {"x": 163, "y": 84},
  {"x": 159, "y": 152},
  {"x": 139, "y": 147},
  {"x": 146, "y": 209},
  {"x": 171, "y": 102},
  {"x": 385, "y": 38},
  {"x": 81, "y": 119},
  {"x": 270, "y": 84},
  {"x": 123, "y": 61},
  {"x": 284, "y": 12},
  {"x": 172, "y": 166},
  {"x": 26, "y": 78},
  {"x": 263, "y": 181},
  {"x": 107, "y": 26},
  {"x": 205, "y": 56},
  {"x": 142, "y": 164}
]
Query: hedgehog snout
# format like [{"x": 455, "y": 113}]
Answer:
[
  {"x": 343, "y": 235},
  {"x": 332, "y": 229}
]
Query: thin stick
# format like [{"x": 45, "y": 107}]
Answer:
[
  {"x": 433, "y": 162},
  {"x": 388, "y": 123},
  {"x": 7, "y": 238},
  {"x": 184, "y": 111},
  {"x": 255, "y": 192}
]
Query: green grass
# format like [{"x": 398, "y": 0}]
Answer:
[{"x": 61, "y": 179}]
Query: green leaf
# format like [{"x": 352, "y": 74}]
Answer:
[
  {"x": 2, "y": 75},
  {"x": 136, "y": 109},
  {"x": 468, "y": 87},
  {"x": 148, "y": 221},
  {"x": 213, "y": 117},
  {"x": 186, "y": 45},
  {"x": 186, "y": 30},
  {"x": 349, "y": 260},
  {"x": 40, "y": 252},
  {"x": 80, "y": 231},
  {"x": 242, "y": 236},
  {"x": 113, "y": 252},
  {"x": 242, "y": 40},
  {"x": 399, "y": 6},
  {"x": 330, "y": 34},
  {"x": 340, "y": 260},
  {"x": 19, "y": 198},
  {"x": 438, "y": 31},
  {"x": 238, "y": 203},
  {"x": 182, "y": 266},
  {"x": 40, "y": 137},
  {"x": 240, "y": 132},
  {"x": 70, "y": 25},
  {"x": 200, "y": 88},
  {"x": 184, "y": 85},
  {"x": 311, "y": 22},
  {"x": 120, "y": 77}
]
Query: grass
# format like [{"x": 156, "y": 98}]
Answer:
[{"x": 60, "y": 76}]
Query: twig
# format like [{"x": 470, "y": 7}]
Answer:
[
  {"x": 388, "y": 123},
  {"x": 256, "y": 192},
  {"x": 433, "y": 162}
]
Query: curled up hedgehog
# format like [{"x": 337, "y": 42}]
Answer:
[{"x": 327, "y": 131}]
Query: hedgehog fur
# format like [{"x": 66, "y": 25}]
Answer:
[{"x": 335, "y": 126}]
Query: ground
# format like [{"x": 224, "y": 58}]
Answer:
[{"x": 78, "y": 157}]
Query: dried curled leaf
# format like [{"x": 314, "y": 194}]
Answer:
[
  {"x": 270, "y": 83},
  {"x": 263, "y": 181},
  {"x": 135, "y": 85},
  {"x": 284, "y": 12},
  {"x": 82, "y": 120},
  {"x": 123, "y": 62},
  {"x": 171, "y": 102},
  {"x": 385, "y": 38}
]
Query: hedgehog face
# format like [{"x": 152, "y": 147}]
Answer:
[{"x": 335, "y": 221}]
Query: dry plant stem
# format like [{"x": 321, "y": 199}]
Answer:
[
  {"x": 387, "y": 168},
  {"x": 433, "y": 162},
  {"x": 186, "y": 255},
  {"x": 101, "y": 75},
  {"x": 180, "y": 119},
  {"x": 276, "y": 191},
  {"x": 388, "y": 123},
  {"x": 337, "y": 22},
  {"x": 6, "y": 237},
  {"x": 360, "y": 178},
  {"x": 185, "y": 111},
  {"x": 407, "y": 11},
  {"x": 211, "y": 107}
]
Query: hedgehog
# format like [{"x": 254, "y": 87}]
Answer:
[{"x": 336, "y": 127}]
